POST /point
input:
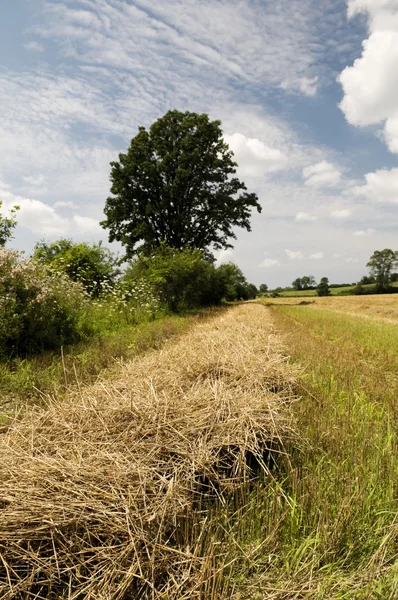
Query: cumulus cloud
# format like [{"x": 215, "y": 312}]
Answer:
[
  {"x": 370, "y": 85},
  {"x": 322, "y": 174},
  {"x": 381, "y": 186},
  {"x": 42, "y": 219},
  {"x": 253, "y": 156},
  {"x": 352, "y": 259},
  {"x": 344, "y": 213},
  {"x": 294, "y": 255},
  {"x": 365, "y": 232},
  {"x": 316, "y": 256},
  {"x": 224, "y": 255},
  {"x": 269, "y": 262}
]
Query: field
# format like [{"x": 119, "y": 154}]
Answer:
[
  {"x": 334, "y": 291},
  {"x": 255, "y": 456}
]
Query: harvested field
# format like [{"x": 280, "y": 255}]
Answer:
[
  {"x": 104, "y": 494},
  {"x": 381, "y": 307}
]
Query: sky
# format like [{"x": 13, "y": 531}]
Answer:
[{"x": 306, "y": 90}]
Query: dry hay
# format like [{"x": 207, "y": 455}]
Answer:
[
  {"x": 98, "y": 492},
  {"x": 375, "y": 307}
]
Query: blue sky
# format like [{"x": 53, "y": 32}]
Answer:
[{"x": 307, "y": 92}]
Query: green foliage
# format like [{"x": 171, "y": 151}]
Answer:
[
  {"x": 323, "y": 287},
  {"x": 234, "y": 284},
  {"x": 304, "y": 283},
  {"x": 176, "y": 185},
  {"x": 381, "y": 264},
  {"x": 180, "y": 279},
  {"x": 263, "y": 289},
  {"x": 296, "y": 284},
  {"x": 37, "y": 310},
  {"x": 94, "y": 266},
  {"x": 7, "y": 224}
]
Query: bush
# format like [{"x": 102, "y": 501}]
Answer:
[
  {"x": 179, "y": 279},
  {"x": 233, "y": 284},
  {"x": 94, "y": 266},
  {"x": 38, "y": 310}
]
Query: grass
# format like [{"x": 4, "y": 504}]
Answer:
[
  {"x": 340, "y": 506},
  {"x": 117, "y": 340},
  {"x": 111, "y": 491},
  {"x": 320, "y": 521},
  {"x": 333, "y": 291},
  {"x": 311, "y": 293}
]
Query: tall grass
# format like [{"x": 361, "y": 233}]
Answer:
[
  {"x": 336, "y": 525},
  {"x": 326, "y": 525}
]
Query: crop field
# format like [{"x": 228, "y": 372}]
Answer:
[
  {"x": 253, "y": 457},
  {"x": 333, "y": 291}
]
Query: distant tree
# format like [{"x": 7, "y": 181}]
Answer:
[
  {"x": 176, "y": 185},
  {"x": 7, "y": 224},
  {"x": 367, "y": 280},
  {"x": 297, "y": 284},
  {"x": 307, "y": 282},
  {"x": 234, "y": 283},
  {"x": 263, "y": 289},
  {"x": 323, "y": 287},
  {"x": 394, "y": 277},
  {"x": 381, "y": 263},
  {"x": 252, "y": 291},
  {"x": 94, "y": 266}
]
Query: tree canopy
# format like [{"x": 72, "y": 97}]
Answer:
[
  {"x": 323, "y": 287},
  {"x": 177, "y": 185},
  {"x": 381, "y": 263}
]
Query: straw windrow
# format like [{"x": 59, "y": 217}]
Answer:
[{"x": 103, "y": 495}]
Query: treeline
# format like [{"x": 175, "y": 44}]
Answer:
[{"x": 66, "y": 291}]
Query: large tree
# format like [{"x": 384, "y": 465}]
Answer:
[
  {"x": 381, "y": 263},
  {"x": 176, "y": 185}
]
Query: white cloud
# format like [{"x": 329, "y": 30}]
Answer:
[
  {"x": 210, "y": 38},
  {"x": 365, "y": 232},
  {"x": 36, "y": 180},
  {"x": 42, "y": 219},
  {"x": 351, "y": 259},
  {"x": 370, "y": 85},
  {"x": 34, "y": 47},
  {"x": 253, "y": 156},
  {"x": 294, "y": 255},
  {"x": 317, "y": 256},
  {"x": 381, "y": 186},
  {"x": 66, "y": 204},
  {"x": 223, "y": 256},
  {"x": 87, "y": 225},
  {"x": 269, "y": 262},
  {"x": 343, "y": 213},
  {"x": 35, "y": 215},
  {"x": 337, "y": 255},
  {"x": 303, "y": 217},
  {"x": 322, "y": 174}
]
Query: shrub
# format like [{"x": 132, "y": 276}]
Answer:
[
  {"x": 179, "y": 279},
  {"x": 38, "y": 310},
  {"x": 94, "y": 266}
]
